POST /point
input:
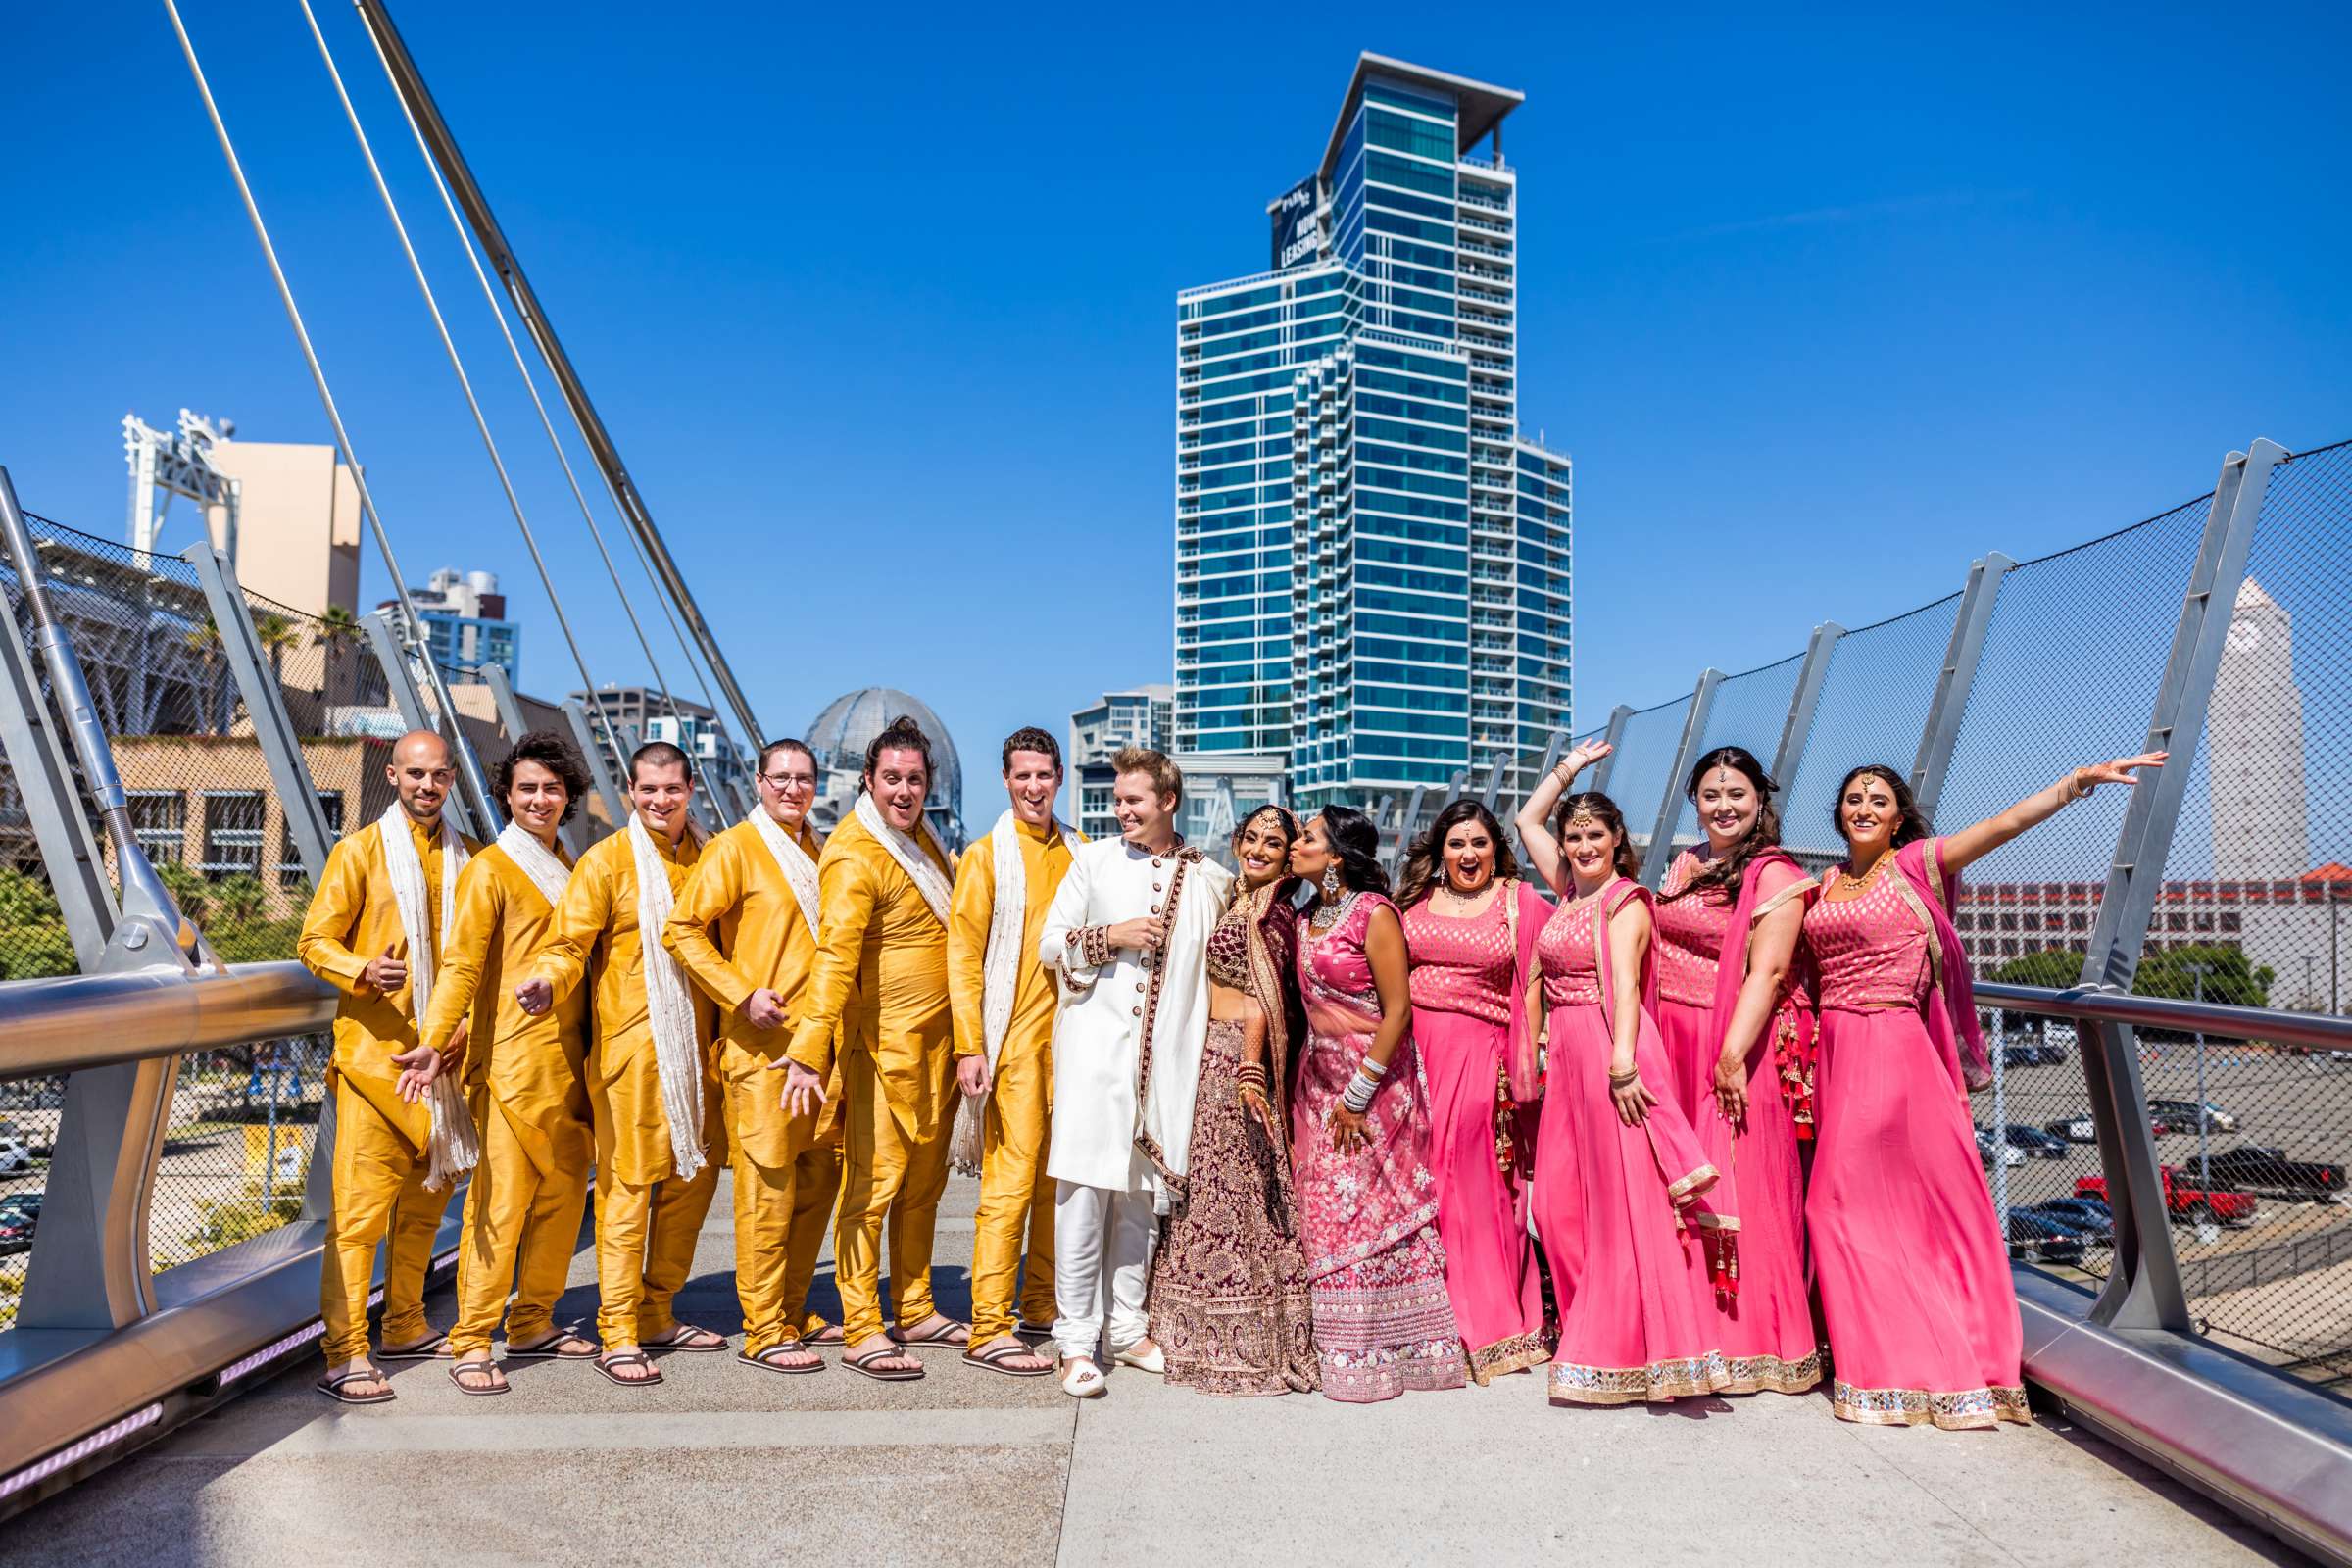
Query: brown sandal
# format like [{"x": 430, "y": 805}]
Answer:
[
  {"x": 333, "y": 1387},
  {"x": 605, "y": 1364},
  {"x": 458, "y": 1369},
  {"x": 788, "y": 1348}
]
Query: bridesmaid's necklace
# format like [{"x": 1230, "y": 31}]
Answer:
[
  {"x": 1847, "y": 882},
  {"x": 1458, "y": 902},
  {"x": 1324, "y": 920}
]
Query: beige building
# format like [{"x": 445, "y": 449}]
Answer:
[{"x": 297, "y": 523}]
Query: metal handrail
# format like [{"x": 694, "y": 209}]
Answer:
[
  {"x": 2106, "y": 1004},
  {"x": 95, "y": 1020}
]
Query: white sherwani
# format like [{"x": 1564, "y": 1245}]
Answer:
[{"x": 1099, "y": 1120}]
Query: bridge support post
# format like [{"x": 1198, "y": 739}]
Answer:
[
  {"x": 1959, "y": 673},
  {"x": 264, "y": 700},
  {"x": 608, "y": 788},
  {"x": 1658, "y": 853},
  {"x": 1615, "y": 738},
  {"x": 2144, "y": 1288},
  {"x": 472, "y": 816},
  {"x": 1797, "y": 728}
]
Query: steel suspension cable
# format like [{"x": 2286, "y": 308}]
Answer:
[
  {"x": 530, "y": 384},
  {"x": 457, "y": 362},
  {"x": 469, "y": 765}
]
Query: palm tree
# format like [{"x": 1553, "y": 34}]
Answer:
[
  {"x": 276, "y": 633},
  {"x": 204, "y": 641},
  {"x": 338, "y": 629}
]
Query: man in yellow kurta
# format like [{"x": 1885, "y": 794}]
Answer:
[
  {"x": 353, "y": 938},
  {"x": 1003, "y": 1013},
  {"x": 745, "y": 929},
  {"x": 650, "y": 1049},
  {"x": 526, "y": 1076},
  {"x": 886, "y": 889}
]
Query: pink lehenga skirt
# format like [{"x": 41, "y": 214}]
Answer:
[
  {"x": 1766, "y": 1329},
  {"x": 1913, "y": 1271},
  {"x": 1229, "y": 1301},
  {"x": 1376, "y": 1269},
  {"x": 1490, "y": 1265},
  {"x": 1637, "y": 1319}
]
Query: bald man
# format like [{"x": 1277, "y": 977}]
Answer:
[{"x": 357, "y": 939}]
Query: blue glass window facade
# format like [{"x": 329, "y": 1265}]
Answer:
[{"x": 1372, "y": 568}]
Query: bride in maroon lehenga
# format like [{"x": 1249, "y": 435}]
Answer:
[{"x": 1229, "y": 1300}]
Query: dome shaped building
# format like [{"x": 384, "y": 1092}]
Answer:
[{"x": 840, "y": 735}]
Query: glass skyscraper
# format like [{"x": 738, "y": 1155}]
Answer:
[{"x": 1372, "y": 563}]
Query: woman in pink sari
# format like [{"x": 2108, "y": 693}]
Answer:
[
  {"x": 1619, "y": 1174},
  {"x": 1913, "y": 1269},
  {"x": 1470, "y": 927},
  {"x": 1738, "y": 1028},
  {"x": 1359, "y": 1134}
]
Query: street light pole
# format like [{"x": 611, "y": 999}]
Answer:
[{"x": 2197, "y": 975}]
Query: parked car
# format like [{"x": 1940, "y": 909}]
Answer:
[
  {"x": 2185, "y": 1200},
  {"x": 2057, "y": 1040},
  {"x": 2257, "y": 1165},
  {"x": 2182, "y": 1115},
  {"x": 2035, "y": 1236},
  {"x": 2033, "y": 1142},
  {"x": 2014, "y": 1057},
  {"x": 2086, "y": 1216},
  {"x": 20, "y": 1212},
  {"x": 14, "y": 1154},
  {"x": 2080, "y": 1128},
  {"x": 1990, "y": 1149}
]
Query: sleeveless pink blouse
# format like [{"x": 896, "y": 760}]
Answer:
[
  {"x": 1564, "y": 949},
  {"x": 1868, "y": 952},
  {"x": 1689, "y": 935},
  {"x": 1461, "y": 964}
]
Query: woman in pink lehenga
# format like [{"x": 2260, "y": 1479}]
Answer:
[
  {"x": 1470, "y": 925},
  {"x": 1359, "y": 1134},
  {"x": 1913, "y": 1269},
  {"x": 1619, "y": 1174},
  {"x": 1738, "y": 1028}
]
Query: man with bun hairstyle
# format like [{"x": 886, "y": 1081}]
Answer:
[{"x": 886, "y": 887}]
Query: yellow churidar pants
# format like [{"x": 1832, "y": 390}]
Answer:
[
  {"x": 784, "y": 1196},
  {"x": 379, "y": 1166},
  {"x": 815, "y": 1195},
  {"x": 1015, "y": 1193},
  {"x": 523, "y": 1223},
  {"x": 887, "y": 1172}
]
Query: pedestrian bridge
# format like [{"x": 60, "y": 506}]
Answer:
[{"x": 724, "y": 1464}]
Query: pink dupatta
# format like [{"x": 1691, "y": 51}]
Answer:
[
  {"x": 1952, "y": 1018},
  {"x": 1697, "y": 1186}
]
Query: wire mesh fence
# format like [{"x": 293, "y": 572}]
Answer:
[
  {"x": 1874, "y": 704},
  {"x": 237, "y": 1155},
  {"x": 1749, "y": 710},
  {"x": 29, "y": 1112},
  {"x": 1642, "y": 764}
]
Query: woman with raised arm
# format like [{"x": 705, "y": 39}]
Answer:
[
  {"x": 1359, "y": 1133},
  {"x": 1737, "y": 1027},
  {"x": 1470, "y": 926},
  {"x": 1619, "y": 1174},
  {"x": 1228, "y": 1299},
  {"x": 1913, "y": 1269}
]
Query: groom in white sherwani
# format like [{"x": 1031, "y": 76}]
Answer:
[{"x": 1128, "y": 938}]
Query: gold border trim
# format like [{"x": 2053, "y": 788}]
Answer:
[{"x": 1967, "y": 1410}]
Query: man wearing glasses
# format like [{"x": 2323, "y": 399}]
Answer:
[{"x": 745, "y": 929}]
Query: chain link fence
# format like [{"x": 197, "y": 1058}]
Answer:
[{"x": 1749, "y": 710}]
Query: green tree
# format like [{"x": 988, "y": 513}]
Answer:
[
  {"x": 34, "y": 943},
  {"x": 277, "y": 634},
  {"x": 338, "y": 630},
  {"x": 204, "y": 641},
  {"x": 2228, "y": 976},
  {"x": 2054, "y": 968}
]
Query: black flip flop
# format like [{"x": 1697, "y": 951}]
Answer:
[
  {"x": 671, "y": 1340},
  {"x": 830, "y": 1334},
  {"x": 605, "y": 1364},
  {"x": 944, "y": 1335},
  {"x": 333, "y": 1387},
  {"x": 422, "y": 1351},
  {"x": 865, "y": 1364},
  {"x": 541, "y": 1353},
  {"x": 763, "y": 1362},
  {"x": 1033, "y": 1331},
  {"x": 458, "y": 1370},
  {"x": 994, "y": 1362}
]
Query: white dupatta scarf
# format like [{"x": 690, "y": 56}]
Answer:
[
  {"x": 800, "y": 871},
  {"x": 931, "y": 882},
  {"x": 546, "y": 868},
  {"x": 668, "y": 1005},
  {"x": 453, "y": 1149},
  {"x": 1000, "y": 975}
]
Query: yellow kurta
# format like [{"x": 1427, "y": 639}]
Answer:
[
  {"x": 882, "y": 945},
  {"x": 880, "y": 981},
  {"x": 596, "y": 927},
  {"x": 380, "y": 1153},
  {"x": 1015, "y": 1198},
  {"x": 527, "y": 1082},
  {"x": 648, "y": 1217}
]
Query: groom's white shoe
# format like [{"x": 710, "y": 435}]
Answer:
[
  {"x": 1081, "y": 1379},
  {"x": 1153, "y": 1361}
]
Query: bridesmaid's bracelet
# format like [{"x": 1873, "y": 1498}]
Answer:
[{"x": 1357, "y": 1096}]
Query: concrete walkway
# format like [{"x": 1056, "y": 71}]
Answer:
[{"x": 725, "y": 1464}]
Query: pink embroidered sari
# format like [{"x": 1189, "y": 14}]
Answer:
[{"x": 1375, "y": 1268}]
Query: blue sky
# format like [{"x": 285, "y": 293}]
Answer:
[{"x": 879, "y": 303}]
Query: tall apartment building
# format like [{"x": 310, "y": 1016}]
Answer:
[
  {"x": 466, "y": 624},
  {"x": 1372, "y": 562}
]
